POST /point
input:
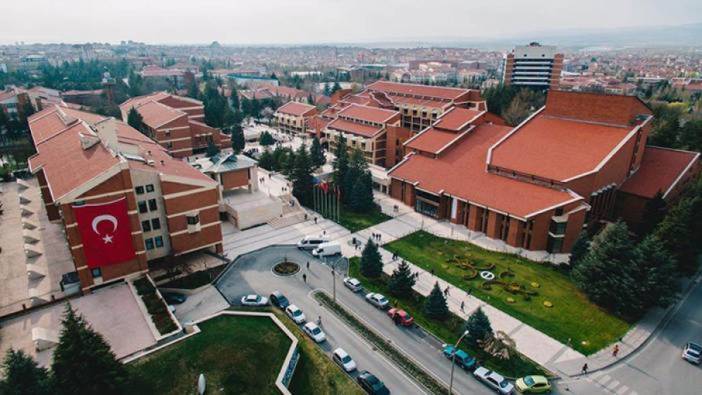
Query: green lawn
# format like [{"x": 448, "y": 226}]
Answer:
[
  {"x": 357, "y": 221},
  {"x": 239, "y": 355},
  {"x": 573, "y": 317},
  {"x": 448, "y": 330}
]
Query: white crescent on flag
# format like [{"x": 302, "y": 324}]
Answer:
[{"x": 104, "y": 217}]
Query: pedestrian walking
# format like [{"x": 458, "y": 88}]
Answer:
[
  {"x": 304, "y": 277},
  {"x": 308, "y": 265},
  {"x": 446, "y": 291},
  {"x": 469, "y": 290},
  {"x": 463, "y": 304},
  {"x": 615, "y": 352},
  {"x": 584, "y": 369},
  {"x": 319, "y": 320},
  {"x": 432, "y": 271},
  {"x": 315, "y": 220}
]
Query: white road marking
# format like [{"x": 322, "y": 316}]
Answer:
[
  {"x": 622, "y": 390},
  {"x": 604, "y": 379}
]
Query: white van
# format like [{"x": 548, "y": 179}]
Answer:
[
  {"x": 311, "y": 242},
  {"x": 327, "y": 249}
]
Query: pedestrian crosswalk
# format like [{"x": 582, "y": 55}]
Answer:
[{"x": 609, "y": 385}]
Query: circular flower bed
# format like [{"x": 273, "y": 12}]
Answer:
[
  {"x": 548, "y": 304},
  {"x": 486, "y": 275},
  {"x": 286, "y": 268}
]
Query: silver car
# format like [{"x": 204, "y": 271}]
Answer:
[
  {"x": 352, "y": 283},
  {"x": 494, "y": 380},
  {"x": 377, "y": 300},
  {"x": 692, "y": 352},
  {"x": 254, "y": 300}
]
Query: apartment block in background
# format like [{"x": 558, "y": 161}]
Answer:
[
  {"x": 533, "y": 65},
  {"x": 293, "y": 117}
]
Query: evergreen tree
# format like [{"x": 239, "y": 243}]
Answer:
[
  {"x": 361, "y": 196},
  {"x": 234, "y": 99},
  {"x": 605, "y": 273},
  {"x": 336, "y": 87},
  {"x": 215, "y": 105},
  {"x": 673, "y": 233},
  {"x": 302, "y": 176},
  {"x": 193, "y": 90},
  {"x": 653, "y": 214},
  {"x": 401, "y": 281},
  {"x": 579, "y": 249},
  {"x": 23, "y": 376},
  {"x": 435, "y": 305},
  {"x": 256, "y": 108},
  {"x": 212, "y": 149},
  {"x": 316, "y": 154},
  {"x": 266, "y": 160},
  {"x": 135, "y": 120},
  {"x": 341, "y": 164},
  {"x": 238, "y": 141},
  {"x": 478, "y": 327},
  {"x": 83, "y": 362},
  {"x": 266, "y": 139},
  {"x": 371, "y": 261},
  {"x": 327, "y": 89},
  {"x": 655, "y": 274},
  {"x": 135, "y": 84}
]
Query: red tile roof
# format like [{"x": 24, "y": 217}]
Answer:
[
  {"x": 457, "y": 118},
  {"x": 296, "y": 109},
  {"x": 463, "y": 174},
  {"x": 354, "y": 128},
  {"x": 659, "y": 171},
  {"x": 156, "y": 114},
  {"x": 557, "y": 148},
  {"x": 432, "y": 140},
  {"x": 366, "y": 113},
  {"x": 443, "y": 93}
]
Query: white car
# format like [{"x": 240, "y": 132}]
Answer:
[
  {"x": 352, "y": 283},
  {"x": 315, "y": 332},
  {"x": 311, "y": 242},
  {"x": 692, "y": 352},
  {"x": 254, "y": 300},
  {"x": 295, "y": 313},
  {"x": 344, "y": 360},
  {"x": 493, "y": 380},
  {"x": 377, "y": 300}
]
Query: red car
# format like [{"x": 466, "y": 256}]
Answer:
[{"x": 400, "y": 317}]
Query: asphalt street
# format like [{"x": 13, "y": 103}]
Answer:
[
  {"x": 253, "y": 273},
  {"x": 657, "y": 368}
]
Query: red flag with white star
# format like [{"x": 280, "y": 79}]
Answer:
[{"x": 106, "y": 232}]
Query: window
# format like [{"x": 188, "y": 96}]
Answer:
[
  {"x": 150, "y": 188},
  {"x": 193, "y": 219},
  {"x": 159, "y": 241},
  {"x": 149, "y": 244},
  {"x": 142, "y": 207},
  {"x": 96, "y": 272},
  {"x": 152, "y": 205},
  {"x": 169, "y": 145},
  {"x": 139, "y": 190},
  {"x": 146, "y": 226},
  {"x": 155, "y": 224}
]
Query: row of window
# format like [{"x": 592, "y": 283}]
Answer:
[
  {"x": 147, "y": 205},
  {"x": 151, "y": 243},
  {"x": 141, "y": 189},
  {"x": 149, "y": 225}
]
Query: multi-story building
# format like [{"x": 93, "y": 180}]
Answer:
[
  {"x": 364, "y": 128},
  {"x": 537, "y": 185},
  {"x": 175, "y": 122},
  {"x": 87, "y": 161},
  {"x": 293, "y": 117},
  {"x": 533, "y": 65}
]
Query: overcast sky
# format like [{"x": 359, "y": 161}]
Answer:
[{"x": 320, "y": 21}]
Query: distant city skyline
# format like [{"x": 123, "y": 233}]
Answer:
[{"x": 322, "y": 21}]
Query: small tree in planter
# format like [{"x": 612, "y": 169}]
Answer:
[
  {"x": 478, "y": 327},
  {"x": 435, "y": 305},
  {"x": 371, "y": 262},
  {"x": 401, "y": 281}
]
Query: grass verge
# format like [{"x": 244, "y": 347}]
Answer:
[
  {"x": 357, "y": 221},
  {"x": 449, "y": 330},
  {"x": 573, "y": 319},
  {"x": 414, "y": 371}
]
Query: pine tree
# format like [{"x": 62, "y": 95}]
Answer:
[
  {"x": 266, "y": 139},
  {"x": 83, "y": 362},
  {"x": 212, "y": 149},
  {"x": 579, "y": 249},
  {"x": 238, "y": 141},
  {"x": 266, "y": 161},
  {"x": 302, "y": 176},
  {"x": 23, "y": 376},
  {"x": 193, "y": 90},
  {"x": 316, "y": 154},
  {"x": 605, "y": 273},
  {"x": 327, "y": 89},
  {"x": 234, "y": 99},
  {"x": 478, "y": 327},
  {"x": 341, "y": 163},
  {"x": 673, "y": 233},
  {"x": 135, "y": 120},
  {"x": 653, "y": 214},
  {"x": 435, "y": 305},
  {"x": 401, "y": 281},
  {"x": 371, "y": 261},
  {"x": 655, "y": 274}
]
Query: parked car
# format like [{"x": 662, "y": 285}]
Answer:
[
  {"x": 400, "y": 317},
  {"x": 174, "y": 297},
  {"x": 462, "y": 359},
  {"x": 254, "y": 300},
  {"x": 344, "y": 360},
  {"x": 377, "y": 300},
  {"x": 352, "y": 283},
  {"x": 279, "y": 300},
  {"x": 533, "y": 385},
  {"x": 493, "y": 380},
  {"x": 692, "y": 352},
  {"x": 371, "y": 384},
  {"x": 315, "y": 332},
  {"x": 295, "y": 313},
  {"x": 327, "y": 249},
  {"x": 311, "y": 242}
]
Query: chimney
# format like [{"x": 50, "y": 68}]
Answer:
[{"x": 107, "y": 131}]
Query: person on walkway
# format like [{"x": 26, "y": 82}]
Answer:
[
  {"x": 319, "y": 320},
  {"x": 432, "y": 271},
  {"x": 584, "y": 369},
  {"x": 308, "y": 265},
  {"x": 469, "y": 290},
  {"x": 615, "y": 352},
  {"x": 446, "y": 291},
  {"x": 463, "y": 304},
  {"x": 315, "y": 220},
  {"x": 304, "y": 277}
]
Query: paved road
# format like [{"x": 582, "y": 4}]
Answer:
[
  {"x": 252, "y": 273},
  {"x": 657, "y": 367}
]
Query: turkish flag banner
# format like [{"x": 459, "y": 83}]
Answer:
[{"x": 106, "y": 232}]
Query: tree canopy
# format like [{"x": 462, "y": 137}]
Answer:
[{"x": 371, "y": 261}]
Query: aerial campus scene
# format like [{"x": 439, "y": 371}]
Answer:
[{"x": 325, "y": 197}]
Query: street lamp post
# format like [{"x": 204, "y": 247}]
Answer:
[
  {"x": 334, "y": 277},
  {"x": 453, "y": 360}
]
